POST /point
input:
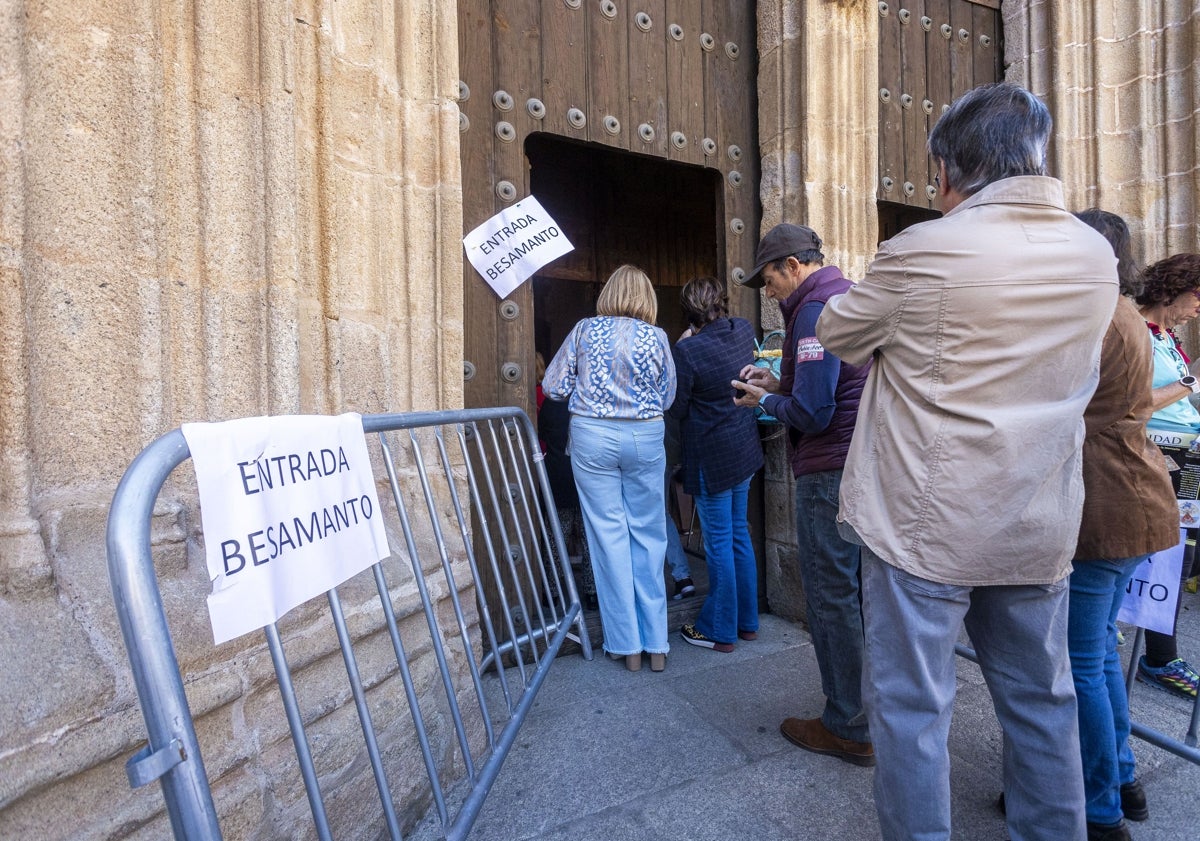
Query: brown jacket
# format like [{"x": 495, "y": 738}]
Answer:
[
  {"x": 1128, "y": 504},
  {"x": 986, "y": 327}
]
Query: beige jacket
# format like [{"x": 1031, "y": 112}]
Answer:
[{"x": 986, "y": 328}]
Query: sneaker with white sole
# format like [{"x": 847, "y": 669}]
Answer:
[
  {"x": 690, "y": 634},
  {"x": 684, "y": 588}
]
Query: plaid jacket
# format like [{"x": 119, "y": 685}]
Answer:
[{"x": 719, "y": 438}]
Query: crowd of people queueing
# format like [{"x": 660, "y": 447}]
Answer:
[{"x": 968, "y": 435}]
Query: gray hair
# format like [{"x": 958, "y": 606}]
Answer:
[{"x": 994, "y": 131}]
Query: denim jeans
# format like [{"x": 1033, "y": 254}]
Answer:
[
  {"x": 1097, "y": 588},
  {"x": 618, "y": 467},
  {"x": 829, "y": 571},
  {"x": 677, "y": 560},
  {"x": 909, "y": 680},
  {"x": 732, "y": 603}
]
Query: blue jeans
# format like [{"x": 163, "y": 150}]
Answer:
[
  {"x": 618, "y": 467},
  {"x": 1020, "y": 634},
  {"x": 676, "y": 558},
  {"x": 732, "y": 603},
  {"x": 1097, "y": 588},
  {"x": 829, "y": 571}
]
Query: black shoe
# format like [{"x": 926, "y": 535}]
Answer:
[
  {"x": 1133, "y": 801},
  {"x": 1118, "y": 831},
  {"x": 684, "y": 587}
]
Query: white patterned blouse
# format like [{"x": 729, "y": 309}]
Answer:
[{"x": 613, "y": 367}]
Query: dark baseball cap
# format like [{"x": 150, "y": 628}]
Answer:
[{"x": 780, "y": 242}]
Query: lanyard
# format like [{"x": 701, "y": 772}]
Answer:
[{"x": 1167, "y": 341}]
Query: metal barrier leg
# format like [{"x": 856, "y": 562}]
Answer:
[{"x": 1186, "y": 749}]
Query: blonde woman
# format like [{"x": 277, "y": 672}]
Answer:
[{"x": 616, "y": 372}]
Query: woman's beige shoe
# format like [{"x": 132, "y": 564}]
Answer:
[
  {"x": 633, "y": 662},
  {"x": 658, "y": 662}
]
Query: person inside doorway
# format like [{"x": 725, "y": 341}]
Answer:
[{"x": 553, "y": 422}]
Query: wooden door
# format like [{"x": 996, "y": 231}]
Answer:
[
  {"x": 671, "y": 81},
  {"x": 930, "y": 52}
]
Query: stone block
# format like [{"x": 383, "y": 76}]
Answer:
[
  {"x": 770, "y": 79},
  {"x": 95, "y": 803},
  {"x": 785, "y": 592},
  {"x": 354, "y": 30},
  {"x": 241, "y": 802},
  {"x": 44, "y": 711},
  {"x": 770, "y": 26}
]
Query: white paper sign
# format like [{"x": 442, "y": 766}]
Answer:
[
  {"x": 509, "y": 248},
  {"x": 1153, "y": 591},
  {"x": 289, "y": 510}
]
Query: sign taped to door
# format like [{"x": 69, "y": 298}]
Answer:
[
  {"x": 509, "y": 248},
  {"x": 289, "y": 511}
]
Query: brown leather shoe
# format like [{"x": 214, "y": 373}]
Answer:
[{"x": 811, "y": 734}]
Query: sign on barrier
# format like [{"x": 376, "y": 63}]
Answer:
[
  {"x": 1153, "y": 591},
  {"x": 289, "y": 511}
]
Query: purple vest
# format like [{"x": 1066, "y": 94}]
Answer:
[{"x": 825, "y": 450}]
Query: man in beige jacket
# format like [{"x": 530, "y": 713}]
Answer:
[{"x": 963, "y": 480}]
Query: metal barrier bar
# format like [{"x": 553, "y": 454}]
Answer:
[
  {"x": 287, "y": 691},
  {"x": 144, "y": 628},
  {"x": 1186, "y": 749},
  {"x": 506, "y": 507}
]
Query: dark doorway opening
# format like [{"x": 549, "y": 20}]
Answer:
[
  {"x": 895, "y": 217},
  {"x": 618, "y": 207}
]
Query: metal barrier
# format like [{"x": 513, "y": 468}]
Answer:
[
  {"x": 1186, "y": 749},
  {"x": 500, "y": 501}
]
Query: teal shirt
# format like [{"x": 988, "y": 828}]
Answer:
[{"x": 1169, "y": 366}]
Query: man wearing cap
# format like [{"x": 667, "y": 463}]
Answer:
[{"x": 816, "y": 397}]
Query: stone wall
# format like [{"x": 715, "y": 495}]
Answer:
[
  {"x": 1124, "y": 87},
  {"x": 1122, "y": 82},
  {"x": 206, "y": 211}
]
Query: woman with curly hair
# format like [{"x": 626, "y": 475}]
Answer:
[{"x": 1171, "y": 297}]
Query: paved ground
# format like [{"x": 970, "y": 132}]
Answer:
[{"x": 694, "y": 753}]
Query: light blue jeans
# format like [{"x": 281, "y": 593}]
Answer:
[
  {"x": 909, "y": 677},
  {"x": 618, "y": 467},
  {"x": 829, "y": 570},
  {"x": 1097, "y": 588},
  {"x": 732, "y": 602}
]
